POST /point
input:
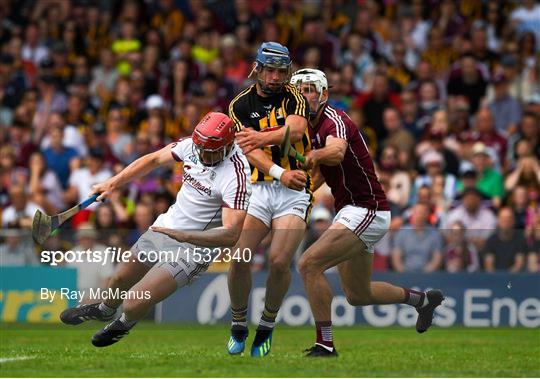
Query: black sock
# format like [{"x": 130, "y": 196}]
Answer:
[{"x": 239, "y": 327}]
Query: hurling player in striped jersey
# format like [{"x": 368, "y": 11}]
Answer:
[
  {"x": 208, "y": 215},
  {"x": 341, "y": 158}
]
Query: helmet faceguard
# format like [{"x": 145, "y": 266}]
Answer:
[
  {"x": 315, "y": 77},
  {"x": 276, "y": 56},
  {"x": 213, "y": 138}
]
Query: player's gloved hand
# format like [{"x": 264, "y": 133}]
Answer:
[
  {"x": 294, "y": 179},
  {"x": 105, "y": 189},
  {"x": 249, "y": 140}
]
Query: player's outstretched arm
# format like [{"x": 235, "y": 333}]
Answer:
[
  {"x": 294, "y": 179},
  {"x": 224, "y": 236},
  {"x": 134, "y": 170},
  {"x": 249, "y": 139}
]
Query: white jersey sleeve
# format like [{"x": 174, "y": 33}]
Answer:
[
  {"x": 181, "y": 149},
  {"x": 236, "y": 186}
]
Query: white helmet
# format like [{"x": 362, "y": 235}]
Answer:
[{"x": 311, "y": 76}]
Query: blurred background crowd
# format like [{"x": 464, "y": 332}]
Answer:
[{"x": 446, "y": 94}]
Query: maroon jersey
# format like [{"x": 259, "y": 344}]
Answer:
[{"x": 353, "y": 181}]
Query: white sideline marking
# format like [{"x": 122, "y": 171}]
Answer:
[{"x": 4, "y": 360}]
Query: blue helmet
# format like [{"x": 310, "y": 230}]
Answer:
[{"x": 275, "y": 55}]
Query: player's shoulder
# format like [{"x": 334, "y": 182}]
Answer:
[
  {"x": 241, "y": 97},
  {"x": 235, "y": 167},
  {"x": 292, "y": 91},
  {"x": 182, "y": 142},
  {"x": 336, "y": 118}
]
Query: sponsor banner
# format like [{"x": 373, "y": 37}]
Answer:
[
  {"x": 473, "y": 300},
  {"x": 25, "y": 293}
]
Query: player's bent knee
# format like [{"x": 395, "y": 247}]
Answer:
[
  {"x": 307, "y": 265},
  {"x": 279, "y": 265},
  {"x": 358, "y": 299},
  {"x": 118, "y": 280}
]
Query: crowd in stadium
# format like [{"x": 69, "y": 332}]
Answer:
[{"x": 446, "y": 94}]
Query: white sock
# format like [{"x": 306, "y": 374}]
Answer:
[
  {"x": 106, "y": 310},
  {"x": 123, "y": 319},
  {"x": 426, "y": 302}
]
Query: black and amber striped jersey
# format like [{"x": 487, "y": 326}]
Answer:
[{"x": 249, "y": 110}]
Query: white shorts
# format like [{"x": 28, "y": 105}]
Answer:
[
  {"x": 270, "y": 200},
  {"x": 369, "y": 225},
  {"x": 185, "y": 266}
]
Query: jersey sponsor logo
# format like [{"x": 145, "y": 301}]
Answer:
[
  {"x": 198, "y": 186},
  {"x": 346, "y": 219},
  {"x": 298, "y": 209}
]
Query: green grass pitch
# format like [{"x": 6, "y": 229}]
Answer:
[{"x": 199, "y": 351}]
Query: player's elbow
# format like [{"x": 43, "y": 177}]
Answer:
[
  {"x": 296, "y": 135},
  {"x": 336, "y": 158}
]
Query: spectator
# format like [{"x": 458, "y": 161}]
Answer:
[
  {"x": 484, "y": 132},
  {"x": 529, "y": 130},
  {"x": 60, "y": 158},
  {"x": 72, "y": 137},
  {"x": 527, "y": 18},
  {"x": 155, "y": 106},
  {"x": 33, "y": 49},
  {"x": 104, "y": 76},
  {"x": 17, "y": 249},
  {"x": 410, "y": 115},
  {"x": 398, "y": 188},
  {"x": 82, "y": 179},
  {"x": 468, "y": 80},
  {"x": 479, "y": 222},
  {"x": 363, "y": 64},
  {"x": 418, "y": 247},
  {"x": 433, "y": 164},
  {"x": 117, "y": 136},
  {"x": 169, "y": 21},
  {"x": 438, "y": 54},
  {"x": 397, "y": 135},
  {"x": 505, "y": 109},
  {"x": 505, "y": 249},
  {"x": 19, "y": 214},
  {"x": 524, "y": 207},
  {"x": 489, "y": 181},
  {"x": 526, "y": 173},
  {"x": 375, "y": 102},
  {"x": 44, "y": 186},
  {"x": 460, "y": 254},
  {"x": 428, "y": 99},
  {"x": 479, "y": 46}
]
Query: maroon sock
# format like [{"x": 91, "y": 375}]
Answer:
[
  {"x": 324, "y": 333},
  {"x": 414, "y": 298}
]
